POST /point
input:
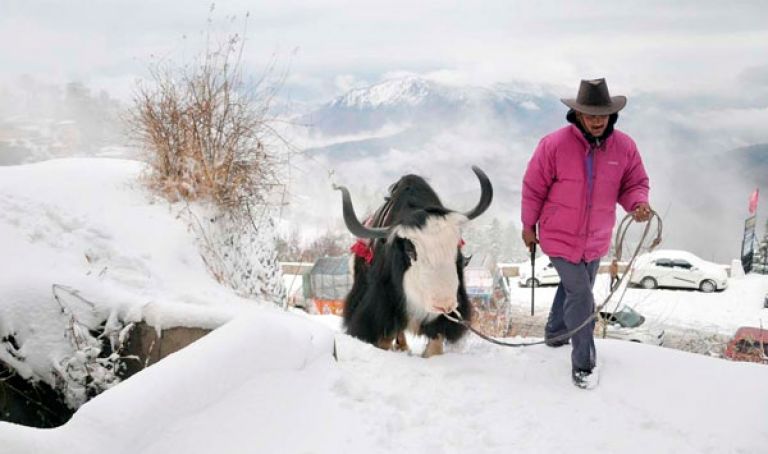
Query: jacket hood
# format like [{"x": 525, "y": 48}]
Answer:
[{"x": 612, "y": 119}]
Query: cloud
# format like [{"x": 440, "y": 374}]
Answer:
[
  {"x": 672, "y": 46},
  {"x": 755, "y": 76},
  {"x": 693, "y": 70}
]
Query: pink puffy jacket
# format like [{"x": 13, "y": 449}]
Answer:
[{"x": 573, "y": 225}]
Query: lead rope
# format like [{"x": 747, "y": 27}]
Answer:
[{"x": 456, "y": 317}]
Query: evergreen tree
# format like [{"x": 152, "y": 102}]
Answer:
[
  {"x": 513, "y": 249},
  {"x": 495, "y": 238}
]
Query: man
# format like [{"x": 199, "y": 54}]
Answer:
[{"x": 571, "y": 186}]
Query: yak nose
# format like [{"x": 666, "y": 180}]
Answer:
[{"x": 443, "y": 305}]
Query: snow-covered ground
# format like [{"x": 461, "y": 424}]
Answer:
[
  {"x": 722, "y": 312},
  {"x": 267, "y": 381},
  {"x": 82, "y": 240}
]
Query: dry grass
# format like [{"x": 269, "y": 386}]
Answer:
[{"x": 202, "y": 129}]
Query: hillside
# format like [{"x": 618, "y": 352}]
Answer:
[
  {"x": 267, "y": 380},
  {"x": 88, "y": 252}
]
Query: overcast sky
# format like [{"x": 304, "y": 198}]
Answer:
[
  {"x": 692, "y": 69},
  {"x": 688, "y": 47}
]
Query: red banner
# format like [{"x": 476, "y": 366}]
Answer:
[{"x": 753, "y": 201}]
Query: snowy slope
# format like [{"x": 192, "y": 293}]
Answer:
[
  {"x": 87, "y": 227},
  {"x": 266, "y": 381}
]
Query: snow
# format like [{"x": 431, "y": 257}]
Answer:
[
  {"x": 722, "y": 312},
  {"x": 674, "y": 254},
  {"x": 412, "y": 91},
  {"x": 86, "y": 227},
  {"x": 409, "y": 91},
  {"x": 266, "y": 380},
  {"x": 268, "y": 383}
]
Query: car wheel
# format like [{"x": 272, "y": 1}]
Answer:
[
  {"x": 707, "y": 286},
  {"x": 532, "y": 282},
  {"x": 648, "y": 283}
]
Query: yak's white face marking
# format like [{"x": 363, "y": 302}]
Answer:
[{"x": 431, "y": 282}]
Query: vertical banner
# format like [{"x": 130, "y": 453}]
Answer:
[
  {"x": 748, "y": 244},
  {"x": 753, "y": 201}
]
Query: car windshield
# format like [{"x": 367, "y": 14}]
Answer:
[
  {"x": 751, "y": 347},
  {"x": 628, "y": 317}
]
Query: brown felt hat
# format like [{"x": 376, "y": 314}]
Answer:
[{"x": 594, "y": 99}]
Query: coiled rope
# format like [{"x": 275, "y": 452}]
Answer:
[{"x": 619, "y": 238}]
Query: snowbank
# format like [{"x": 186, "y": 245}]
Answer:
[
  {"x": 83, "y": 244},
  {"x": 268, "y": 383}
]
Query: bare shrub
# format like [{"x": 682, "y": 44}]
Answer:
[
  {"x": 207, "y": 138},
  {"x": 203, "y": 129},
  {"x": 94, "y": 363}
]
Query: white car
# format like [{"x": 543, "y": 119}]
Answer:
[
  {"x": 677, "y": 269},
  {"x": 625, "y": 324},
  {"x": 545, "y": 274}
]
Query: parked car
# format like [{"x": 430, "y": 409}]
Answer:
[
  {"x": 677, "y": 269},
  {"x": 625, "y": 324},
  {"x": 748, "y": 344},
  {"x": 545, "y": 273}
]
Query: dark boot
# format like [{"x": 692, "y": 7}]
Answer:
[
  {"x": 585, "y": 379},
  {"x": 555, "y": 343}
]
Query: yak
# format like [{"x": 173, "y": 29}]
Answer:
[{"x": 414, "y": 270}]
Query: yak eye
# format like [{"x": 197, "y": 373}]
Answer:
[{"x": 410, "y": 249}]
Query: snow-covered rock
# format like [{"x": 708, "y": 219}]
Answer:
[{"x": 86, "y": 251}]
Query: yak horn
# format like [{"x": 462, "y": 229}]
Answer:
[
  {"x": 486, "y": 194},
  {"x": 353, "y": 224}
]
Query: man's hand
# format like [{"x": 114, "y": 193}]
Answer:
[
  {"x": 642, "y": 212},
  {"x": 529, "y": 238}
]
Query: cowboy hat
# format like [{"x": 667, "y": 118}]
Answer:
[{"x": 593, "y": 99}]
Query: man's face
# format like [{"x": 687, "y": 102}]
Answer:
[{"x": 594, "y": 124}]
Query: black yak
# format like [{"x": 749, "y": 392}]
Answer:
[{"x": 414, "y": 271}]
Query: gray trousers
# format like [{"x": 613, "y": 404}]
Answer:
[{"x": 573, "y": 304}]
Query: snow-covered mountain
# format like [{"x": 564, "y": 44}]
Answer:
[
  {"x": 371, "y": 136},
  {"x": 408, "y": 91},
  {"x": 422, "y": 103}
]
